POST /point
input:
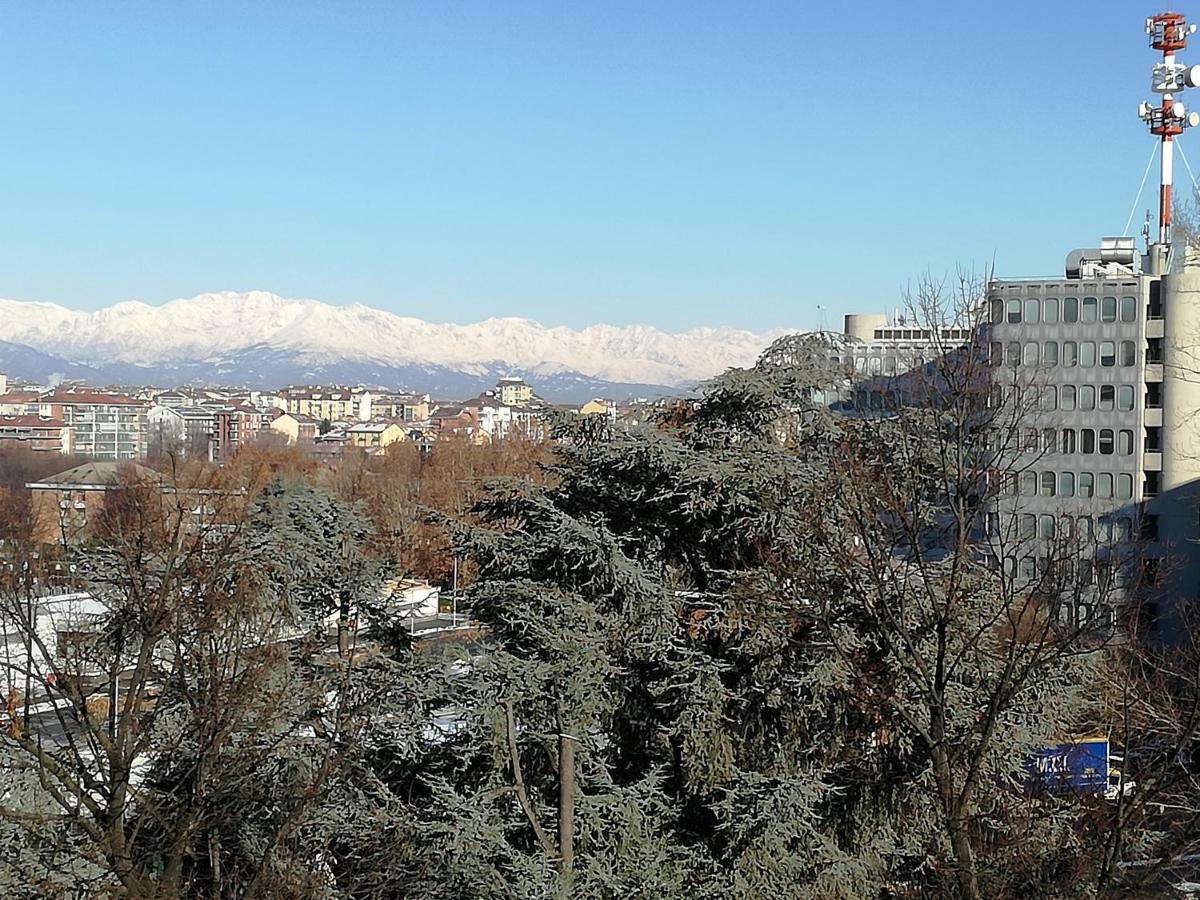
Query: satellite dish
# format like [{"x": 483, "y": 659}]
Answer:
[
  {"x": 1193, "y": 119},
  {"x": 1191, "y": 76},
  {"x": 1178, "y": 110}
]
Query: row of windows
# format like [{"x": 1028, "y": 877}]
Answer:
[
  {"x": 920, "y": 334},
  {"x": 1105, "y": 441},
  {"x": 1091, "y": 310},
  {"x": 1102, "y": 529},
  {"x": 1082, "y": 573},
  {"x": 1084, "y": 354},
  {"x": 886, "y": 365},
  {"x": 1104, "y": 485},
  {"x": 1087, "y": 397}
]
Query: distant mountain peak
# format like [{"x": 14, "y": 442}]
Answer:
[{"x": 313, "y": 335}]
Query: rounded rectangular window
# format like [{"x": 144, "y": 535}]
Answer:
[
  {"x": 996, "y": 354},
  {"x": 1107, "y": 441},
  {"x": 1028, "y": 484},
  {"x": 1129, "y": 309},
  {"x": 1067, "y": 442},
  {"x": 1028, "y": 568},
  {"x": 1108, "y": 354},
  {"x": 1087, "y": 440},
  {"x": 1029, "y": 357},
  {"x": 1049, "y": 440},
  {"x": 1046, "y": 527},
  {"x": 1066, "y": 396},
  {"x": 1084, "y": 523},
  {"x": 1108, "y": 397},
  {"x": 1125, "y": 397},
  {"x": 1049, "y": 398},
  {"x": 1014, "y": 311},
  {"x": 1088, "y": 314},
  {"x": 1124, "y": 486},
  {"x": 1050, "y": 310},
  {"x": 1104, "y": 485},
  {"x": 1087, "y": 484},
  {"x": 1125, "y": 442},
  {"x": 1066, "y": 484},
  {"x": 1028, "y": 527},
  {"x": 1050, "y": 353},
  {"x": 1070, "y": 353},
  {"x": 1108, "y": 309},
  {"x": 1087, "y": 354},
  {"x": 1014, "y": 354},
  {"x": 1033, "y": 310},
  {"x": 1070, "y": 310},
  {"x": 1049, "y": 484},
  {"x": 996, "y": 311},
  {"x": 1128, "y": 353},
  {"x": 1087, "y": 397}
]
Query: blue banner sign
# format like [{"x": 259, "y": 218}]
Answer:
[{"x": 1080, "y": 765}]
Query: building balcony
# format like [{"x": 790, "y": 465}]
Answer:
[
  {"x": 1154, "y": 328},
  {"x": 1153, "y": 372},
  {"x": 1152, "y": 461},
  {"x": 1153, "y": 417}
]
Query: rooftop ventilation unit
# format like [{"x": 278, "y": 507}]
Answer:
[{"x": 1115, "y": 256}]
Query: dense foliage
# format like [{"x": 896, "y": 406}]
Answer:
[{"x": 753, "y": 651}]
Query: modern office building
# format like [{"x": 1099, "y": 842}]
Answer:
[
  {"x": 1077, "y": 363},
  {"x": 1101, "y": 370}
]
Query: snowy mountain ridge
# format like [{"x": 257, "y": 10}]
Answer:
[{"x": 218, "y": 328}]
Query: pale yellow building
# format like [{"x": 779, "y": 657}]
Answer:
[
  {"x": 296, "y": 427},
  {"x": 513, "y": 391},
  {"x": 598, "y": 408},
  {"x": 375, "y": 435},
  {"x": 330, "y": 406}
]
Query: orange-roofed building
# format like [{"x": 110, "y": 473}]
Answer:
[
  {"x": 103, "y": 425},
  {"x": 36, "y": 433}
]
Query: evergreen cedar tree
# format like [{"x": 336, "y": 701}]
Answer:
[{"x": 750, "y": 652}]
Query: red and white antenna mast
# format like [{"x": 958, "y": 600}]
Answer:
[{"x": 1168, "y": 33}]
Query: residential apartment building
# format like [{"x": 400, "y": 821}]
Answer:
[
  {"x": 404, "y": 407},
  {"x": 104, "y": 426},
  {"x": 235, "y": 426},
  {"x": 296, "y": 428},
  {"x": 328, "y": 405},
  {"x": 374, "y": 436},
  {"x": 20, "y": 403},
  {"x": 188, "y": 429},
  {"x": 66, "y": 506},
  {"x": 513, "y": 391},
  {"x": 41, "y": 435}
]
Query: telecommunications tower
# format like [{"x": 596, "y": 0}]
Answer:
[{"x": 1168, "y": 33}]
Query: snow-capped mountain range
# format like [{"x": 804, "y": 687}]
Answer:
[{"x": 259, "y": 338}]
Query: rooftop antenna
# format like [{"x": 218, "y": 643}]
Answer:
[{"x": 1168, "y": 33}]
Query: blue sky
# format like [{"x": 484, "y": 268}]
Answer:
[{"x": 673, "y": 163}]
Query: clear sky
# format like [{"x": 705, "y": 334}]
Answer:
[{"x": 673, "y": 163}]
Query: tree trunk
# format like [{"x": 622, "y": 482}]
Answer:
[
  {"x": 964, "y": 857},
  {"x": 566, "y": 810}
]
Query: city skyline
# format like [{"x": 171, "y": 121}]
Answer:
[{"x": 677, "y": 166}]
